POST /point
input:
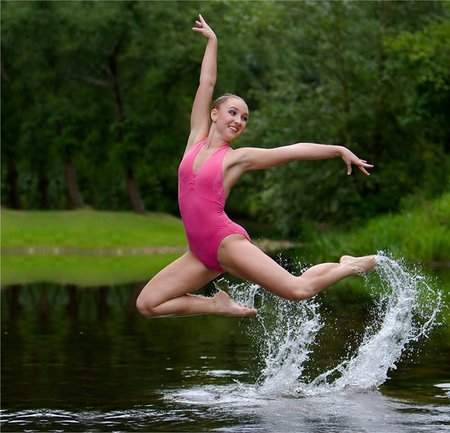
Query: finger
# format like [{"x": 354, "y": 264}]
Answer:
[
  {"x": 366, "y": 164},
  {"x": 349, "y": 169},
  {"x": 364, "y": 170}
]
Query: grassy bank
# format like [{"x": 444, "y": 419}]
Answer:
[
  {"x": 91, "y": 243},
  {"x": 421, "y": 234},
  {"x": 82, "y": 271},
  {"x": 87, "y": 247},
  {"x": 89, "y": 229}
]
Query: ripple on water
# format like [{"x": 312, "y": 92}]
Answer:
[
  {"x": 406, "y": 309},
  {"x": 344, "y": 399},
  {"x": 344, "y": 411}
]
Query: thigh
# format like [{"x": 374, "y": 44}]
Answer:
[
  {"x": 184, "y": 275},
  {"x": 238, "y": 256}
]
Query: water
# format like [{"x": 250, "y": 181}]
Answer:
[
  {"x": 83, "y": 360},
  {"x": 405, "y": 311}
]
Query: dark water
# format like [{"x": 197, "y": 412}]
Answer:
[{"x": 82, "y": 359}]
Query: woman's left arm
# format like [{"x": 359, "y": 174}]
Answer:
[{"x": 249, "y": 158}]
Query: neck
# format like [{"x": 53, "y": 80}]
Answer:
[{"x": 215, "y": 140}]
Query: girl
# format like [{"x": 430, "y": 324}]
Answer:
[{"x": 208, "y": 171}]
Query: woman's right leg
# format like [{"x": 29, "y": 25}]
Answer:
[{"x": 168, "y": 292}]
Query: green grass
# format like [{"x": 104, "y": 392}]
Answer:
[
  {"x": 89, "y": 229},
  {"x": 83, "y": 271},
  {"x": 420, "y": 235}
]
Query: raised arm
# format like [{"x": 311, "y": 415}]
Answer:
[
  {"x": 258, "y": 159},
  {"x": 200, "y": 114}
]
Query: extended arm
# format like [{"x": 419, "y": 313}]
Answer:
[
  {"x": 258, "y": 159},
  {"x": 200, "y": 114}
]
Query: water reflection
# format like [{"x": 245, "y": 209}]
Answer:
[
  {"x": 81, "y": 359},
  {"x": 241, "y": 409},
  {"x": 368, "y": 411},
  {"x": 71, "y": 347}
]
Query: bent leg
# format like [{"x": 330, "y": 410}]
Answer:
[
  {"x": 168, "y": 292},
  {"x": 243, "y": 259}
]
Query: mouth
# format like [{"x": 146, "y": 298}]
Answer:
[{"x": 235, "y": 129}]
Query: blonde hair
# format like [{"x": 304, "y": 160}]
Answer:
[{"x": 221, "y": 99}]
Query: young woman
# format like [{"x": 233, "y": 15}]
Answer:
[{"x": 208, "y": 171}]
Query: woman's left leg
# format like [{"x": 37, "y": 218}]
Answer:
[
  {"x": 244, "y": 260},
  {"x": 168, "y": 293}
]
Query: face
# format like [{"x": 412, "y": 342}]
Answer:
[{"x": 231, "y": 118}]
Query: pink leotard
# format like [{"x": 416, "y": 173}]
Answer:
[{"x": 202, "y": 201}]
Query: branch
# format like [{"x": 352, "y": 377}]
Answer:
[{"x": 96, "y": 81}]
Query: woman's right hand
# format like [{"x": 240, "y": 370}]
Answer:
[{"x": 202, "y": 27}]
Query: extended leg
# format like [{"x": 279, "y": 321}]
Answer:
[
  {"x": 168, "y": 292},
  {"x": 243, "y": 259}
]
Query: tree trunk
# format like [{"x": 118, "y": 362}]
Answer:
[
  {"x": 43, "y": 184},
  {"x": 76, "y": 200},
  {"x": 134, "y": 193},
  {"x": 12, "y": 175},
  {"x": 13, "y": 182},
  {"x": 132, "y": 187}
]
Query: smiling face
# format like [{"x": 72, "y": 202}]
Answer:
[{"x": 230, "y": 117}]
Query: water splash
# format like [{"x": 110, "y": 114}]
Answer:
[
  {"x": 406, "y": 309},
  {"x": 288, "y": 342}
]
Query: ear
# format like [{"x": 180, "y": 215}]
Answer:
[{"x": 214, "y": 114}]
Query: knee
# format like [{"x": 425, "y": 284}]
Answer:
[
  {"x": 145, "y": 307},
  {"x": 141, "y": 306}
]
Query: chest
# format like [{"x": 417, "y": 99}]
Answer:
[{"x": 201, "y": 159}]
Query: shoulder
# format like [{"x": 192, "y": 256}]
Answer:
[
  {"x": 235, "y": 156},
  {"x": 239, "y": 157}
]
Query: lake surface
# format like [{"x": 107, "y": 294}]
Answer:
[{"x": 82, "y": 359}]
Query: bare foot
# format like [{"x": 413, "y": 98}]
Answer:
[
  {"x": 359, "y": 264},
  {"x": 227, "y": 307}
]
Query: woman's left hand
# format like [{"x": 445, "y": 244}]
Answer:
[{"x": 351, "y": 159}]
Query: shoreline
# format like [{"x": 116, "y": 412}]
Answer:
[{"x": 264, "y": 244}]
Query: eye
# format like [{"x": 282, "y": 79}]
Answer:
[
  {"x": 245, "y": 118},
  {"x": 232, "y": 112}
]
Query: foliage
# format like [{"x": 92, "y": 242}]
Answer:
[
  {"x": 96, "y": 99},
  {"x": 344, "y": 81},
  {"x": 420, "y": 233}
]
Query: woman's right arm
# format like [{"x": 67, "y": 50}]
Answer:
[{"x": 200, "y": 114}]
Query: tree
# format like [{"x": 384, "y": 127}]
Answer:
[
  {"x": 35, "y": 86},
  {"x": 96, "y": 98},
  {"x": 332, "y": 81}
]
